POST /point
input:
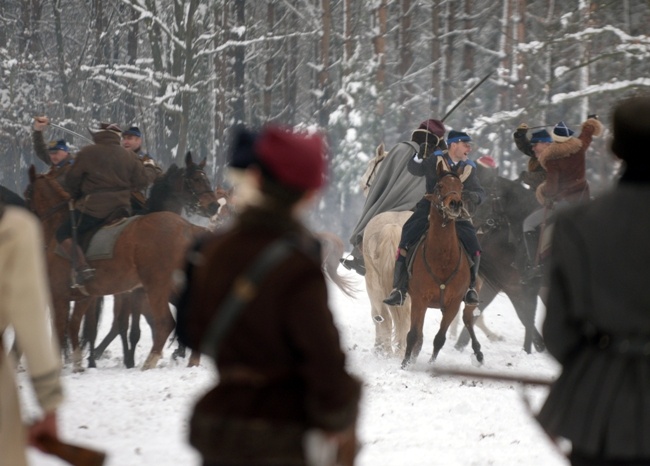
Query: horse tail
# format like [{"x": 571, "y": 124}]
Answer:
[{"x": 331, "y": 251}]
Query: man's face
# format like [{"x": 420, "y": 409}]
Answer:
[
  {"x": 459, "y": 150},
  {"x": 539, "y": 147},
  {"x": 58, "y": 156},
  {"x": 131, "y": 142}
]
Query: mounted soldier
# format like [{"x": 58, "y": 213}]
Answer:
[
  {"x": 132, "y": 140},
  {"x": 100, "y": 181},
  {"x": 564, "y": 161},
  {"x": 56, "y": 153},
  {"x": 394, "y": 188},
  {"x": 424, "y": 164}
]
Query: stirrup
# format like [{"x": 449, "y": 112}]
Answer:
[
  {"x": 85, "y": 275},
  {"x": 396, "y": 298},
  {"x": 471, "y": 297}
]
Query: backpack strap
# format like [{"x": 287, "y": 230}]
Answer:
[{"x": 242, "y": 292}]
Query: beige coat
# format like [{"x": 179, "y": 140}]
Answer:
[{"x": 24, "y": 298}]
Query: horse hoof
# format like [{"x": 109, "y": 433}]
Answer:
[
  {"x": 151, "y": 362},
  {"x": 477, "y": 359},
  {"x": 77, "y": 369}
]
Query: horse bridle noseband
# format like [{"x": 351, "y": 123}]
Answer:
[{"x": 440, "y": 205}]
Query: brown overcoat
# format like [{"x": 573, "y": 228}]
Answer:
[
  {"x": 564, "y": 163},
  {"x": 103, "y": 176},
  {"x": 598, "y": 325},
  {"x": 281, "y": 361}
]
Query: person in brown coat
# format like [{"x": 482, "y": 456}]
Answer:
[
  {"x": 564, "y": 161},
  {"x": 597, "y": 321},
  {"x": 282, "y": 373},
  {"x": 100, "y": 181}
]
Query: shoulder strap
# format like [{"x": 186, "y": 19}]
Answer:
[{"x": 243, "y": 291}]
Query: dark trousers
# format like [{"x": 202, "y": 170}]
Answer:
[
  {"x": 85, "y": 223},
  {"x": 418, "y": 223}
]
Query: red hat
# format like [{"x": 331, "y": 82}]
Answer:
[
  {"x": 436, "y": 127},
  {"x": 487, "y": 161},
  {"x": 296, "y": 160}
]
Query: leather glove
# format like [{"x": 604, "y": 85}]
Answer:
[
  {"x": 149, "y": 163},
  {"x": 522, "y": 127},
  {"x": 593, "y": 115},
  {"x": 424, "y": 151}
]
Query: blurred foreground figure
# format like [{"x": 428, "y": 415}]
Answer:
[
  {"x": 24, "y": 299},
  {"x": 598, "y": 311},
  {"x": 255, "y": 300}
]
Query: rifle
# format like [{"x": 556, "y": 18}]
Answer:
[
  {"x": 73, "y": 454},
  {"x": 467, "y": 94}
]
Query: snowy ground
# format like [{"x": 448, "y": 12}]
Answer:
[{"x": 407, "y": 417}]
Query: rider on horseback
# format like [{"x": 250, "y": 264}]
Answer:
[
  {"x": 100, "y": 181},
  {"x": 56, "y": 153},
  {"x": 132, "y": 140},
  {"x": 424, "y": 163},
  {"x": 565, "y": 183}
]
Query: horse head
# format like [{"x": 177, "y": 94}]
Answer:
[
  {"x": 196, "y": 183},
  {"x": 44, "y": 196},
  {"x": 447, "y": 195}
]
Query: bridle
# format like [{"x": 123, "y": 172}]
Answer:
[
  {"x": 49, "y": 212},
  {"x": 446, "y": 213},
  {"x": 188, "y": 185}
]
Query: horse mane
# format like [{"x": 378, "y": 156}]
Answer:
[{"x": 161, "y": 188}]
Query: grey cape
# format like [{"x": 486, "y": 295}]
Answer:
[{"x": 394, "y": 188}]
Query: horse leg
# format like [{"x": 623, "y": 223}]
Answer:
[
  {"x": 162, "y": 325},
  {"x": 468, "y": 320},
  {"x": 524, "y": 300},
  {"x": 414, "y": 337},
  {"x": 487, "y": 295},
  {"x": 79, "y": 311},
  {"x": 441, "y": 337},
  {"x": 91, "y": 321}
]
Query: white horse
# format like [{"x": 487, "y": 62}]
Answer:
[{"x": 380, "y": 240}]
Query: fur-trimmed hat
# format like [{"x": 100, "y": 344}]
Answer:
[
  {"x": 561, "y": 132},
  {"x": 458, "y": 136},
  {"x": 59, "y": 144},
  {"x": 112, "y": 127},
  {"x": 295, "y": 160},
  {"x": 133, "y": 131},
  {"x": 540, "y": 136}
]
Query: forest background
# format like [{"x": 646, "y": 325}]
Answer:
[{"x": 187, "y": 71}]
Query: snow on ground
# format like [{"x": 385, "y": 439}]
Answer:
[{"x": 407, "y": 416}]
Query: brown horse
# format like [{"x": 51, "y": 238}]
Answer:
[
  {"x": 146, "y": 254},
  {"x": 440, "y": 270},
  {"x": 178, "y": 188}
]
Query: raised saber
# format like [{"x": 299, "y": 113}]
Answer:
[
  {"x": 467, "y": 94},
  {"x": 74, "y": 133}
]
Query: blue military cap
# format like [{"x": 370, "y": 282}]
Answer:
[
  {"x": 133, "y": 131},
  {"x": 540, "y": 136},
  {"x": 59, "y": 144},
  {"x": 458, "y": 136}
]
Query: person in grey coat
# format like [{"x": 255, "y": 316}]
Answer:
[{"x": 598, "y": 313}]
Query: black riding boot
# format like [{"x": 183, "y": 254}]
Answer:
[
  {"x": 471, "y": 297},
  {"x": 532, "y": 270},
  {"x": 400, "y": 283},
  {"x": 354, "y": 261},
  {"x": 83, "y": 272}
]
